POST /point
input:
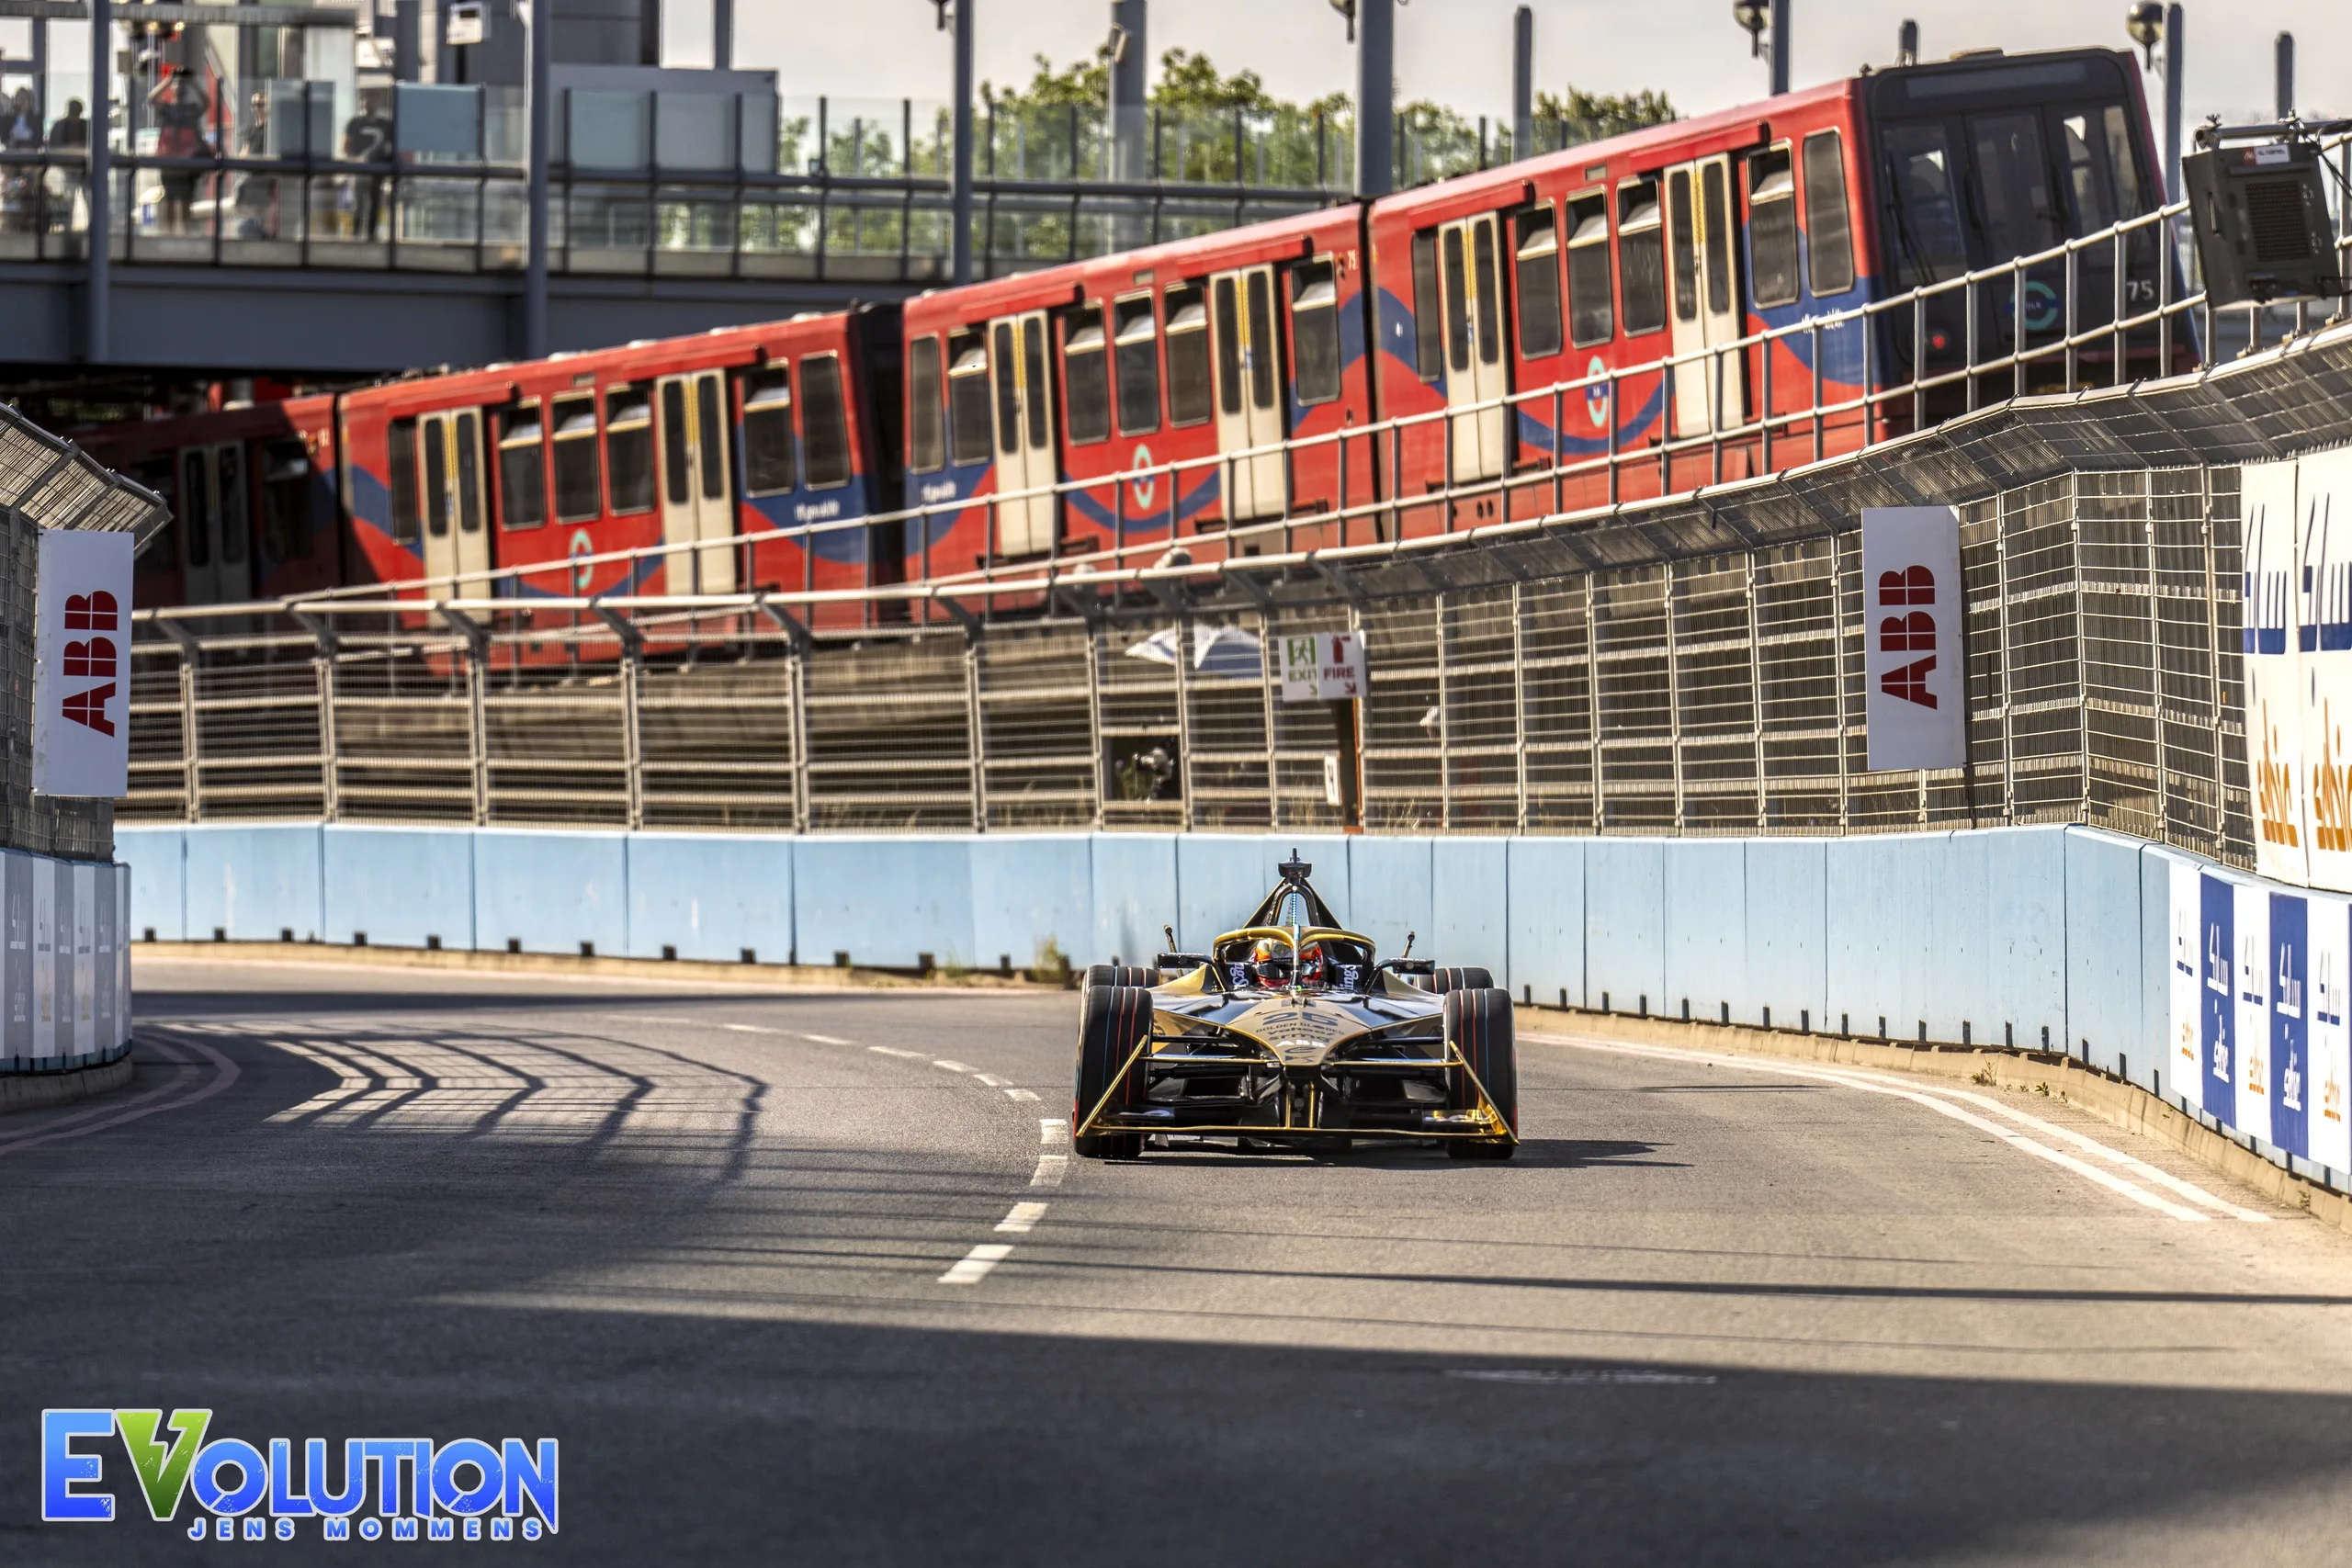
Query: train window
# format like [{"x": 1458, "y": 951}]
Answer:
[
  {"x": 1457, "y": 303},
  {"x": 436, "y": 483},
  {"x": 577, "y": 486},
  {"x": 1926, "y": 210},
  {"x": 767, "y": 429},
  {"x": 1771, "y": 229},
  {"x": 1828, "y": 232},
  {"x": 1315, "y": 330},
  {"x": 1035, "y": 399},
  {"x": 2123, "y": 161},
  {"x": 1490, "y": 294},
  {"x": 1086, "y": 377},
  {"x": 1686, "y": 251},
  {"x": 196, "y": 510},
  {"x": 1717, "y": 197},
  {"x": 1008, "y": 389},
  {"x": 1188, "y": 355},
  {"x": 1539, "y": 283},
  {"x": 709, "y": 444},
  {"x": 628, "y": 448},
  {"x": 162, "y": 553},
  {"x": 229, "y": 465},
  {"x": 407, "y": 521},
  {"x": 470, "y": 472},
  {"x": 1428, "y": 321},
  {"x": 1590, "y": 318},
  {"x": 1229, "y": 347},
  {"x": 1136, "y": 347},
  {"x": 1641, "y": 256},
  {"x": 1261, "y": 340},
  {"x": 2014, "y": 204},
  {"x": 285, "y": 498},
  {"x": 927, "y": 442},
  {"x": 522, "y": 469},
  {"x": 677, "y": 479},
  {"x": 968, "y": 426},
  {"x": 825, "y": 419},
  {"x": 2087, "y": 174}
]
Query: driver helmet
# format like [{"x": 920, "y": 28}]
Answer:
[
  {"x": 1313, "y": 966},
  {"x": 1270, "y": 962}
]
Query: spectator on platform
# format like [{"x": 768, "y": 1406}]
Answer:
[
  {"x": 21, "y": 193},
  {"x": 179, "y": 110},
  {"x": 68, "y": 134},
  {"x": 368, "y": 139}
]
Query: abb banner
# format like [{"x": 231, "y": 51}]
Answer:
[
  {"x": 81, "y": 669},
  {"x": 1916, "y": 708}
]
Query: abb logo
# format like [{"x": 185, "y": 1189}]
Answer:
[
  {"x": 93, "y": 659},
  {"x": 1913, "y": 632}
]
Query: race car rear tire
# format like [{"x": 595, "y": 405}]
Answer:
[
  {"x": 1470, "y": 978},
  {"x": 1480, "y": 1024},
  {"x": 1112, "y": 1019},
  {"x": 1115, "y": 975}
]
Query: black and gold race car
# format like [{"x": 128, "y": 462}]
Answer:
[{"x": 1288, "y": 1031}]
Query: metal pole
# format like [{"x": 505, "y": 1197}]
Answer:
[
  {"x": 96, "y": 302},
  {"x": 722, "y": 35},
  {"x": 2176, "y": 53},
  {"x": 1781, "y": 34},
  {"x": 960, "y": 242},
  {"x": 2286, "y": 75},
  {"x": 1130, "y": 64},
  {"x": 1906, "y": 43},
  {"x": 1522, "y": 83},
  {"x": 534, "y": 276},
  {"x": 1375, "y": 97},
  {"x": 408, "y": 40},
  {"x": 41, "y": 70}
]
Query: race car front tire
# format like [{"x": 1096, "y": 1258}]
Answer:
[
  {"x": 1469, "y": 978},
  {"x": 1112, "y": 1020},
  {"x": 1115, "y": 975},
  {"x": 1479, "y": 1024}
]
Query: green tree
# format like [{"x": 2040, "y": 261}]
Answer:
[{"x": 1582, "y": 117}]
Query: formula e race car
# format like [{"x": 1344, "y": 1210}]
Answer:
[{"x": 1288, "y": 1032}]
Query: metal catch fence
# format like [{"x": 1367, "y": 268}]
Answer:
[{"x": 1516, "y": 687}]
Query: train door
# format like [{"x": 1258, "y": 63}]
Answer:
[
  {"x": 1709, "y": 390},
  {"x": 697, "y": 503},
  {"x": 1024, "y": 434},
  {"x": 216, "y": 514},
  {"x": 1475, "y": 373},
  {"x": 454, "y": 539},
  {"x": 1248, "y": 390}
]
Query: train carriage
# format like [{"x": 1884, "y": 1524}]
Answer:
[
  {"x": 252, "y": 496},
  {"x": 737, "y": 460},
  {"x": 1184, "y": 366},
  {"x": 1595, "y": 311}
]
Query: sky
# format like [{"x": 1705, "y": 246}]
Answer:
[{"x": 1458, "y": 51}]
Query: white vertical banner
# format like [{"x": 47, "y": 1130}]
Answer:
[
  {"x": 16, "y": 955},
  {"x": 81, "y": 664},
  {"x": 2185, "y": 1052},
  {"x": 2274, "y": 692},
  {"x": 2324, "y": 645},
  {"x": 2252, "y": 1069},
  {"x": 1915, "y": 701},
  {"x": 121, "y": 953},
  {"x": 85, "y": 960},
  {"x": 2329, "y": 1043}
]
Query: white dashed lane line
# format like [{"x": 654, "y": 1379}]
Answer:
[
  {"x": 992, "y": 1079},
  {"x": 1023, "y": 1219},
  {"x": 956, "y": 1067},
  {"x": 750, "y": 1028},
  {"x": 1020, "y": 1094},
  {"x": 894, "y": 1051},
  {"x": 1050, "y": 1170},
  {"x": 832, "y": 1040},
  {"x": 1052, "y": 1129},
  {"x": 975, "y": 1264}
]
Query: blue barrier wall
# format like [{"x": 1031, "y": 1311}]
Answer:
[
  {"x": 398, "y": 886},
  {"x": 2056, "y": 937}
]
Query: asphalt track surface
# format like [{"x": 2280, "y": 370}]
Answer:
[{"x": 722, "y": 1244}]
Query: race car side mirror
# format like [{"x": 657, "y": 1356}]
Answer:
[{"x": 1408, "y": 944}]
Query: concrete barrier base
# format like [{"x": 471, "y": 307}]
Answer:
[
  {"x": 785, "y": 976},
  {"x": 30, "y": 1091},
  {"x": 2112, "y": 1100}
]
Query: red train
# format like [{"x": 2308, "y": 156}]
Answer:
[{"x": 1221, "y": 391}]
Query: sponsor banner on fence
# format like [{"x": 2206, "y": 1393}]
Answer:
[
  {"x": 2274, "y": 695},
  {"x": 1916, "y": 701},
  {"x": 81, "y": 665},
  {"x": 2257, "y": 1026}
]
